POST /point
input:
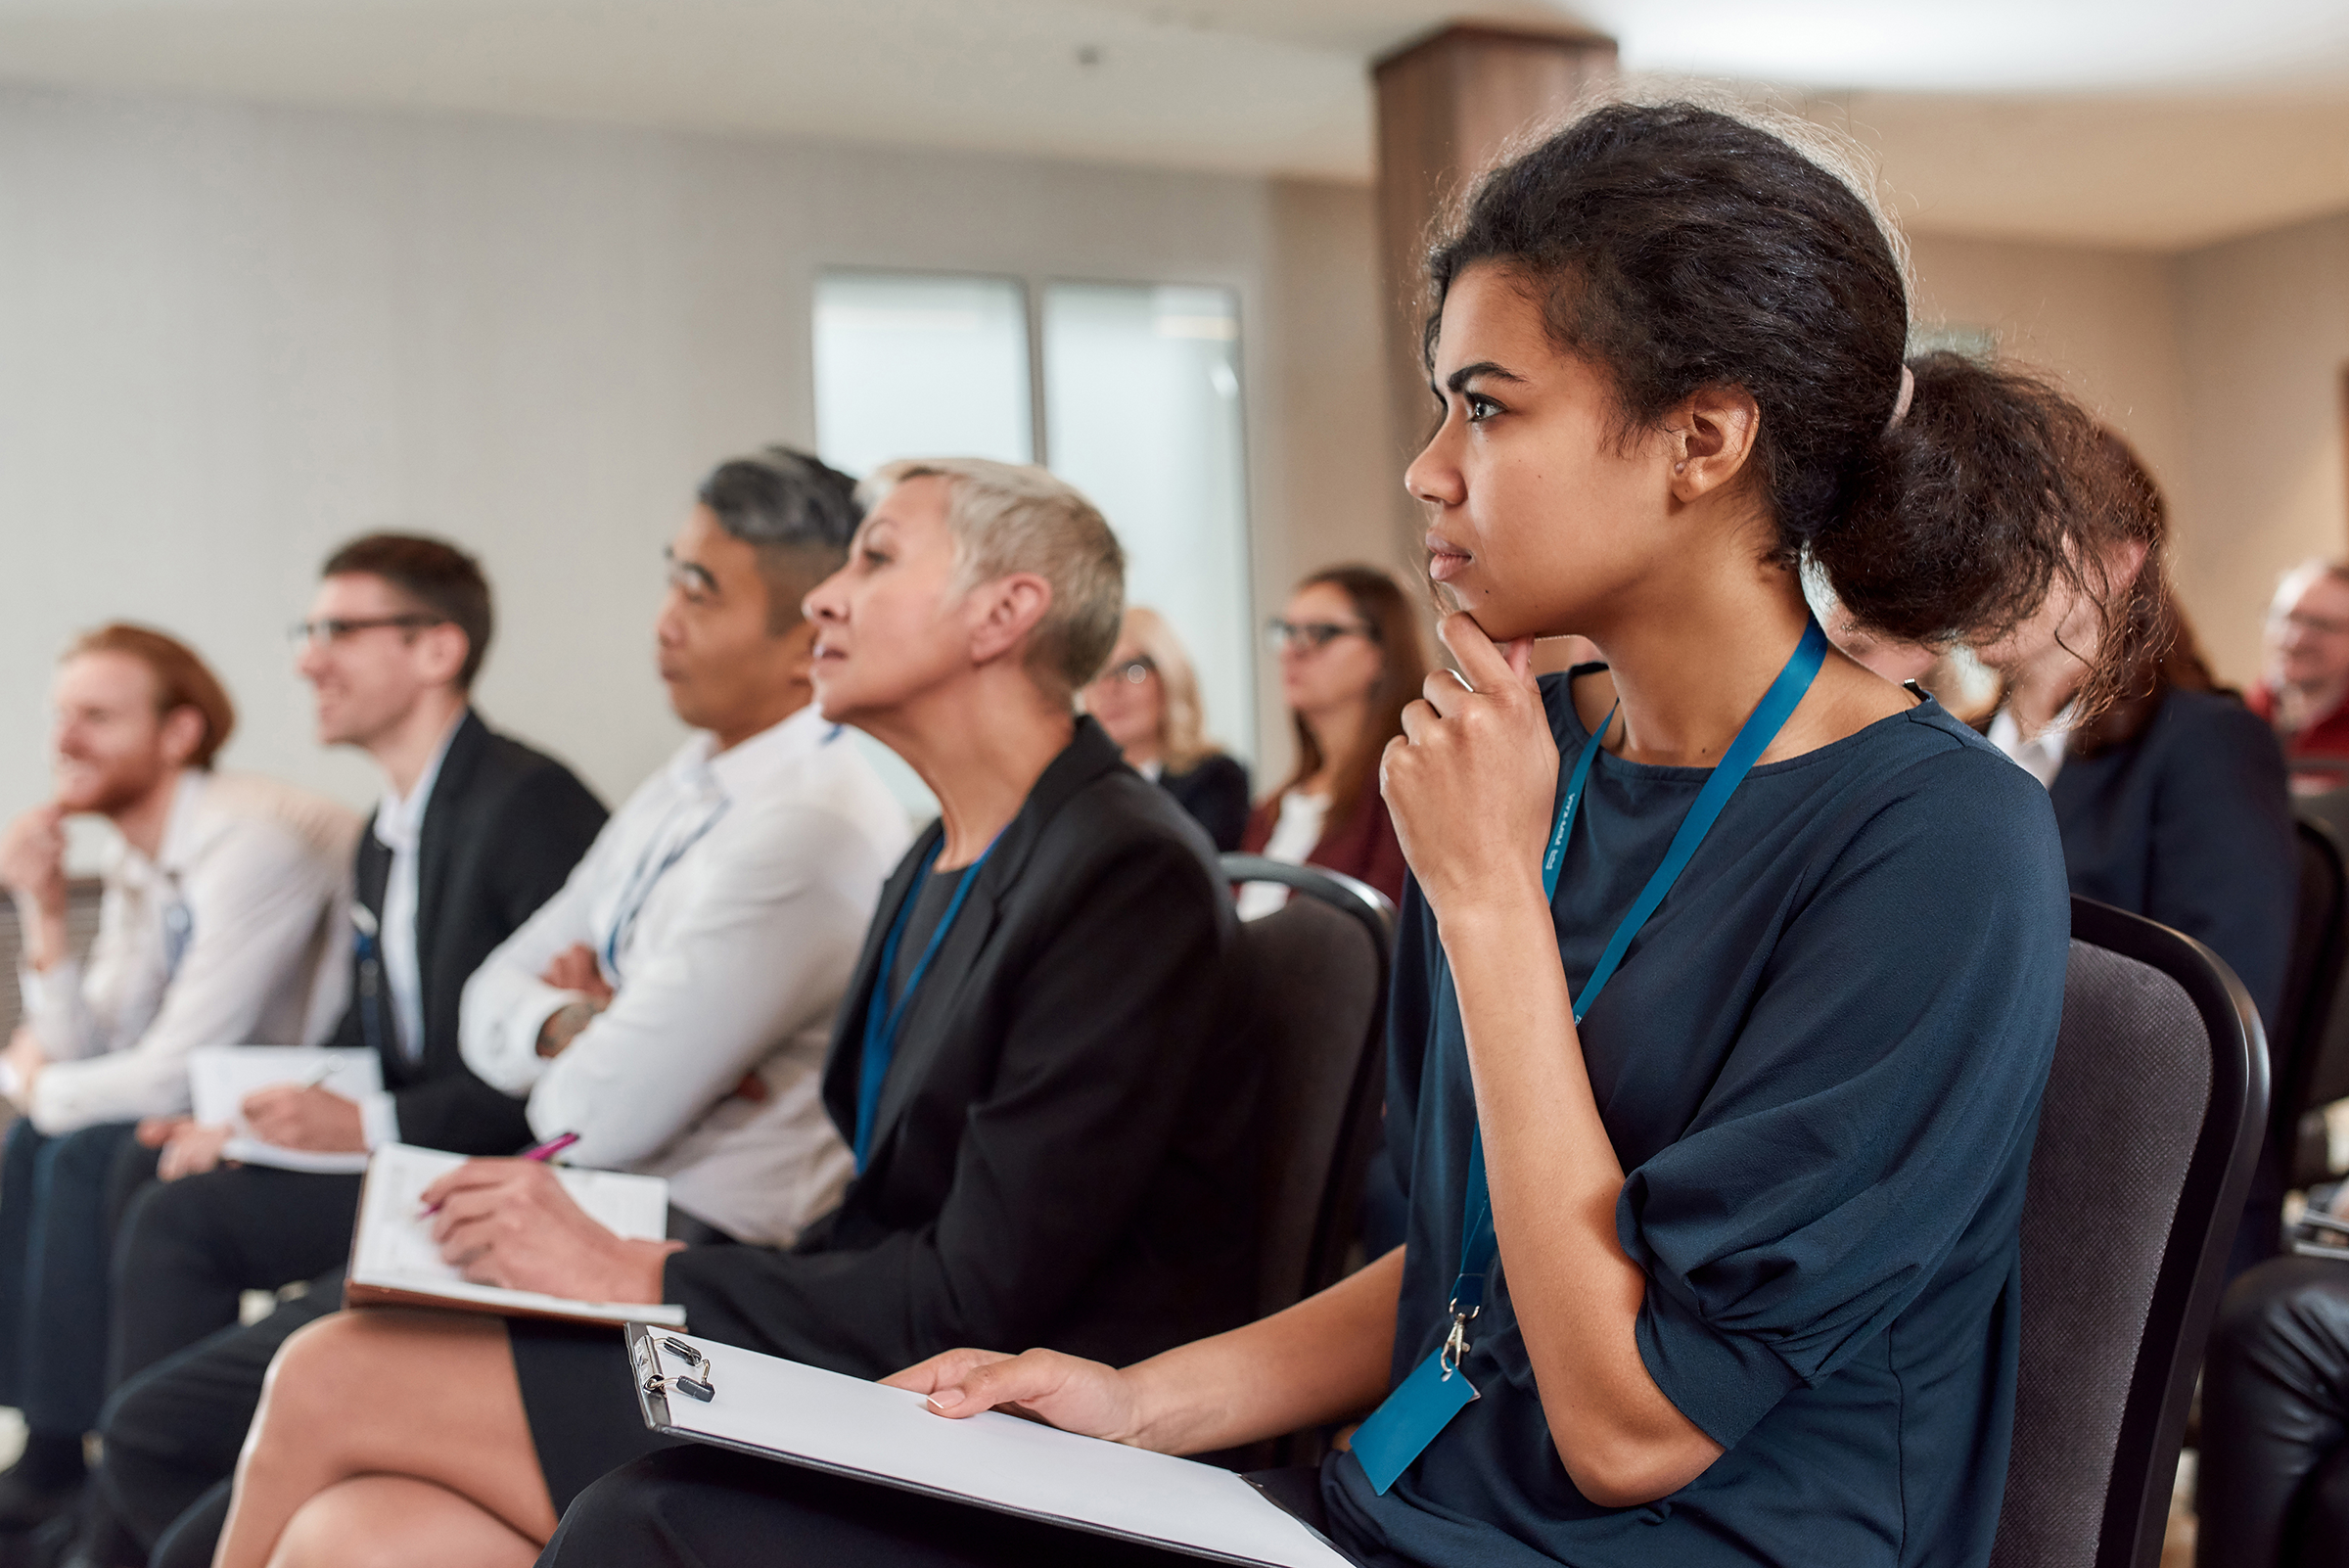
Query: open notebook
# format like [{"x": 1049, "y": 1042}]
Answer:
[
  {"x": 393, "y": 1261},
  {"x": 779, "y": 1410},
  {"x": 220, "y": 1077}
]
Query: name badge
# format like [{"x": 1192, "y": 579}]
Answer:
[{"x": 1421, "y": 1406}]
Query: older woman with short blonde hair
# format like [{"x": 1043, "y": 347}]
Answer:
[
  {"x": 1049, "y": 1119},
  {"x": 1147, "y": 698}
]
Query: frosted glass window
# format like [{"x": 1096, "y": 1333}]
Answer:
[
  {"x": 914, "y": 366},
  {"x": 1143, "y": 413}
]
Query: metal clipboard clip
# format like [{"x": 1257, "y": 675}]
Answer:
[{"x": 702, "y": 1387}]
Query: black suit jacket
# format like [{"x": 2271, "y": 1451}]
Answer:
[
  {"x": 2190, "y": 825},
  {"x": 1060, "y": 1151},
  {"x": 502, "y": 829},
  {"x": 1214, "y": 791}
]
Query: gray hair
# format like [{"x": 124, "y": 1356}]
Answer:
[
  {"x": 799, "y": 513},
  {"x": 1013, "y": 516}
]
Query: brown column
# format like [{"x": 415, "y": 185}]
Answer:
[{"x": 1448, "y": 106}]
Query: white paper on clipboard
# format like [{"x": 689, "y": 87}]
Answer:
[
  {"x": 803, "y": 1415},
  {"x": 395, "y": 1261},
  {"x": 220, "y": 1077}
]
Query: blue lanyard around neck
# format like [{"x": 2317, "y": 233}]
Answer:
[
  {"x": 1421, "y": 1406},
  {"x": 881, "y": 1017},
  {"x": 639, "y": 890}
]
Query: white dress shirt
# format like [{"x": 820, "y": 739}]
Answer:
[
  {"x": 1294, "y": 833},
  {"x": 2042, "y": 756},
  {"x": 727, "y": 902},
  {"x": 399, "y": 828},
  {"x": 232, "y": 935}
]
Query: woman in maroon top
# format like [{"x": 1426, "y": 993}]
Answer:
[{"x": 1352, "y": 655}]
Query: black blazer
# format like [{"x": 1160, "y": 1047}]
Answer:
[
  {"x": 1214, "y": 791},
  {"x": 503, "y": 828},
  {"x": 2190, "y": 825},
  {"x": 1061, "y": 1154}
]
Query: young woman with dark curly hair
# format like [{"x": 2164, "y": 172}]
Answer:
[{"x": 1730, "y": 972}]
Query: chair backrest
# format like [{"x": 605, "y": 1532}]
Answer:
[
  {"x": 1316, "y": 1007},
  {"x": 2152, "y": 1120},
  {"x": 2306, "y": 1052},
  {"x": 82, "y": 896}
]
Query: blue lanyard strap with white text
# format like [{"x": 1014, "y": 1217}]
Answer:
[
  {"x": 639, "y": 888},
  {"x": 881, "y": 1018},
  {"x": 1414, "y": 1412}
]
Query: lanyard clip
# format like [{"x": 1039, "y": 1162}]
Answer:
[{"x": 1456, "y": 1344}]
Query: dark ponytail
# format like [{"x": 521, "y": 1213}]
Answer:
[{"x": 1680, "y": 248}]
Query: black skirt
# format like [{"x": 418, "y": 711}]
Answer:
[
  {"x": 579, "y": 1391},
  {"x": 581, "y": 1398}
]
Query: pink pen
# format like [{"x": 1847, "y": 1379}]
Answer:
[
  {"x": 551, "y": 1147},
  {"x": 541, "y": 1152}
]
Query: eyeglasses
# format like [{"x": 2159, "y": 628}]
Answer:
[
  {"x": 1312, "y": 636},
  {"x": 326, "y": 632},
  {"x": 1134, "y": 672}
]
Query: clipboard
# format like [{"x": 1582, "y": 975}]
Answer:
[
  {"x": 395, "y": 1264},
  {"x": 779, "y": 1410}
]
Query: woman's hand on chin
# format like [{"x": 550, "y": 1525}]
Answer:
[{"x": 1471, "y": 780}]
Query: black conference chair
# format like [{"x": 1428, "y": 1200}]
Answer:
[
  {"x": 2154, "y": 1111},
  {"x": 82, "y": 898},
  {"x": 1318, "y": 1006}
]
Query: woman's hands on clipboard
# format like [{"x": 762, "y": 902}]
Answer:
[{"x": 1064, "y": 1390}]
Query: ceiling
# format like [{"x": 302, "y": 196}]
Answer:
[{"x": 2147, "y": 124}]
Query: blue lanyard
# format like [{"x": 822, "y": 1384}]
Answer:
[
  {"x": 1425, "y": 1401},
  {"x": 639, "y": 891},
  {"x": 1478, "y": 1244},
  {"x": 179, "y": 930},
  {"x": 880, "y": 1019}
]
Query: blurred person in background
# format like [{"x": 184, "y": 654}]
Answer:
[
  {"x": 222, "y": 924},
  {"x": 2303, "y": 691},
  {"x": 1352, "y": 657},
  {"x": 2169, "y": 793},
  {"x": 1147, "y": 698},
  {"x": 474, "y": 832}
]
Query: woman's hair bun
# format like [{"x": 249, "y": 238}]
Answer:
[{"x": 1969, "y": 509}]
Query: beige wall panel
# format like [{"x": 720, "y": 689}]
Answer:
[
  {"x": 2106, "y": 323},
  {"x": 1333, "y": 485},
  {"x": 2265, "y": 331}
]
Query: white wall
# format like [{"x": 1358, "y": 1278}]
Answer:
[{"x": 231, "y": 335}]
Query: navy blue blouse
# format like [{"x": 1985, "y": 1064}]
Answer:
[
  {"x": 2190, "y": 825},
  {"x": 1821, "y": 1064}
]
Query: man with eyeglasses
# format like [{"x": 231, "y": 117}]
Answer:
[
  {"x": 2304, "y": 691},
  {"x": 219, "y": 924},
  {"x": 475, "y": 831},
  {"x": 670, "y": 1006}
]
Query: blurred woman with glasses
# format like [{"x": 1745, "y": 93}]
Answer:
[
  {"x": 1147, "y": 697},
  {"x": 1352, "y": 655}
]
